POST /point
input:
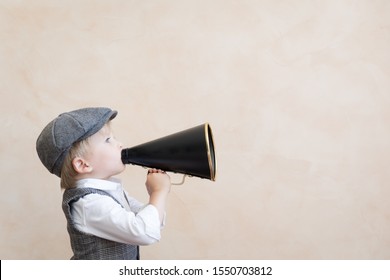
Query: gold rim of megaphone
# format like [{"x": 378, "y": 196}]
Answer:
[{"x": 213, "y": 167}]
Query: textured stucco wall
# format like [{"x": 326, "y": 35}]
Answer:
[{"x": 297, "y": 94}]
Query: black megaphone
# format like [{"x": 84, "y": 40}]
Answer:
[{"x": 190, "y": 152}]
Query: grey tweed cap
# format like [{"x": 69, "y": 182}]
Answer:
[{"x": 60, "y": 134}]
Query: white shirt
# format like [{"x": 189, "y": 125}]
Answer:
[{"x": 101, "y": 216}]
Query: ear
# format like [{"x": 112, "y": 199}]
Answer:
[{"x": 81, "y": 166}]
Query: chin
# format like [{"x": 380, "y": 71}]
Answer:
[{"x": 120, "y": 170}]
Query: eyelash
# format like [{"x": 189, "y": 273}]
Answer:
[{"x": 108, "y": 139}]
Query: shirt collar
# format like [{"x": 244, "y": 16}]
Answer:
[{"x": 111, "y": 184}]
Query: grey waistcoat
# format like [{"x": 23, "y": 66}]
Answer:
[{"x": 87, "y": 246}]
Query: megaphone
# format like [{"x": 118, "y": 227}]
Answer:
[{"x": 189, "y": 152}]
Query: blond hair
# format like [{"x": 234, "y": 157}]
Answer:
[{"x": 68, "y": 173}]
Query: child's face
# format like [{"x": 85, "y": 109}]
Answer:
[{"x": 104, "y": 154}]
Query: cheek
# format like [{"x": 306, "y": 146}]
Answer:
[{"x": 110, "y": 156}]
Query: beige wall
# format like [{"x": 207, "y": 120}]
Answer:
[{"x": 297, "y": 94}]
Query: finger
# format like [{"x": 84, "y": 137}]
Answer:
[{"x": 152, "y": 170}]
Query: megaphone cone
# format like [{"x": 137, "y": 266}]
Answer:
[{"x": 190, "y": 152}]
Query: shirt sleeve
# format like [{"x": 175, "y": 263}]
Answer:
[
  {"x": 101, "y": 216},
  {"x": 134, "y": 204}
]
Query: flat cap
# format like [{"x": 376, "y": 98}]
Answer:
[{"x": 60, "y": 134}]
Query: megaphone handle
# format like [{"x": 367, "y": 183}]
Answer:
[{"x": 182, "y": 181}]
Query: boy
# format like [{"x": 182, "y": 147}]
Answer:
[{"x": 103, "y": 222}]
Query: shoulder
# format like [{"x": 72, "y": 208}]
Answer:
[
  {"x": 97, "y": 203},
  {"x": 74, "y": 195}
]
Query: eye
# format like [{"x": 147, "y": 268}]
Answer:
[{"x": 108, "y": 140}]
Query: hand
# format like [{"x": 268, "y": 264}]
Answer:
[{"x": 158, "y": 181}]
